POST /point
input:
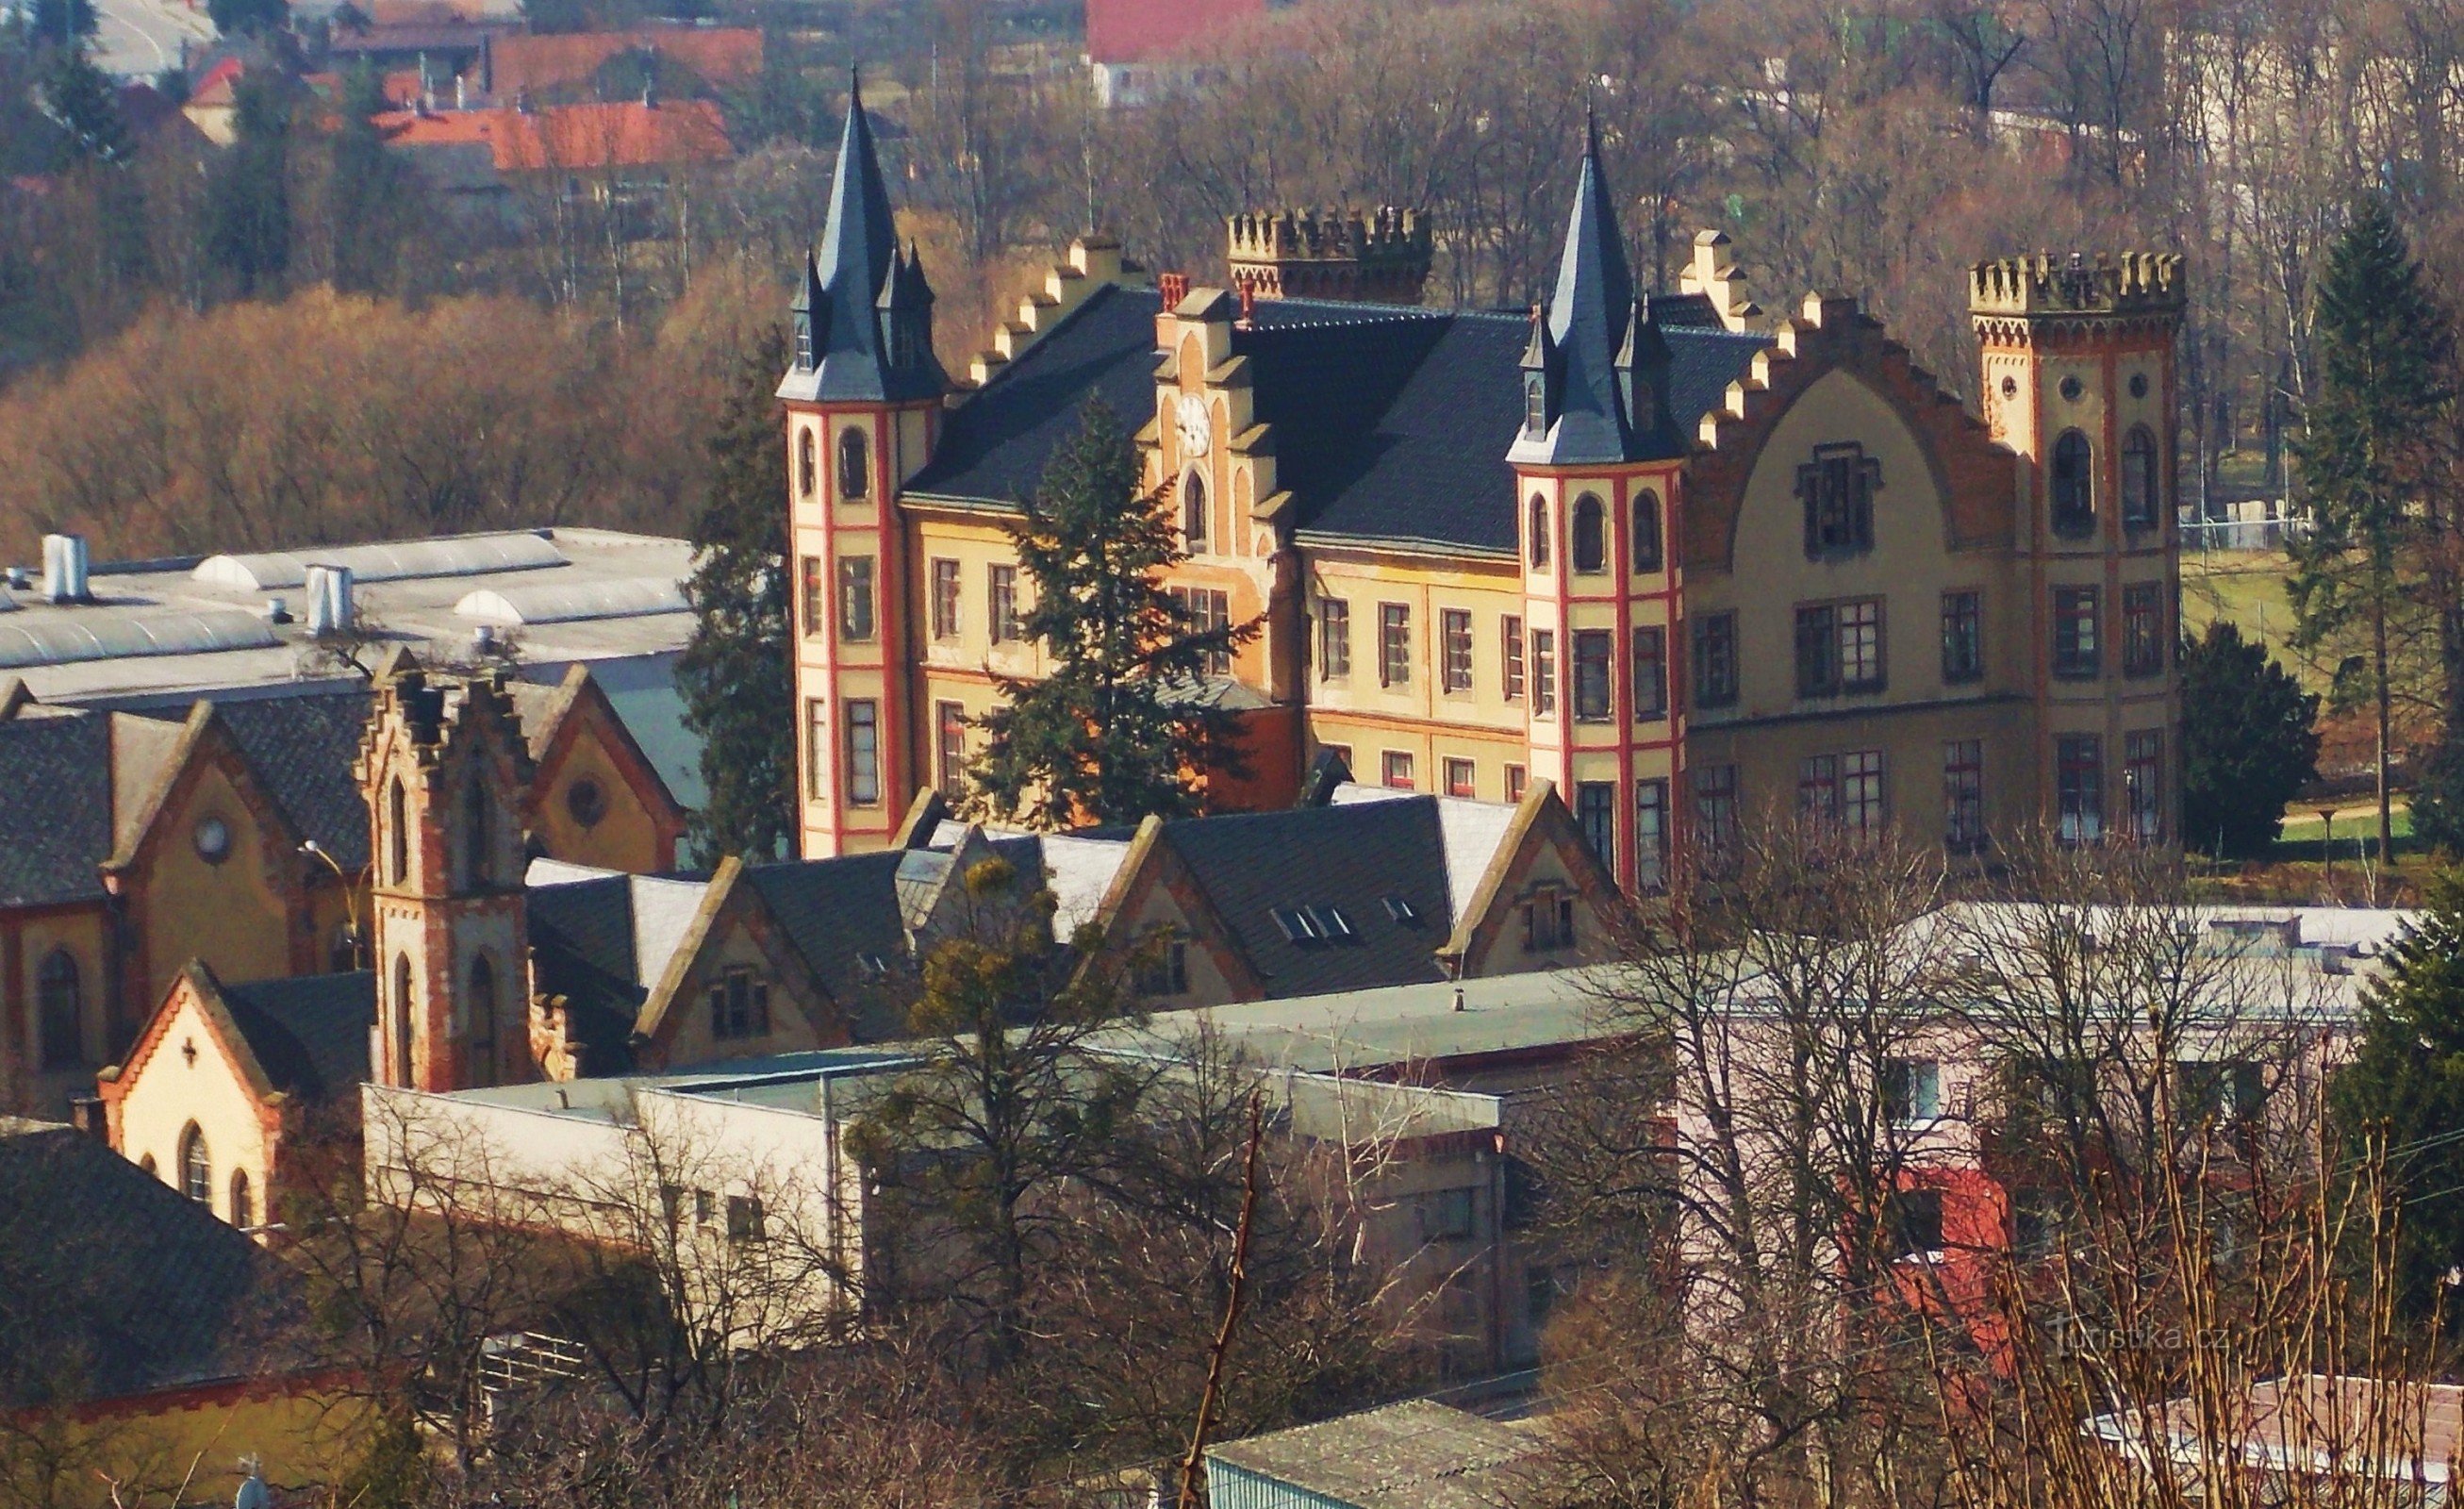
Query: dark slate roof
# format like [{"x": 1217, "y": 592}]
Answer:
[
  {"x": 122, "y": 1286},
  {"x": 995, "y": 445},
  {"x": 310, "y": 1034},
  {"x": 1358, "y": 853},
  {"x": 834, "y": 911},
  {"x": 581, "y": 949},
  {"x": 1390, "y": 423},
  {"x": 55, "y": 808},
  {"x": 300, "y": 750}
]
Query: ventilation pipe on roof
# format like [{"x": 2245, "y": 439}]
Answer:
[
  {"x": 64, "y": 569},
  {"x": 330, "y": 608}
]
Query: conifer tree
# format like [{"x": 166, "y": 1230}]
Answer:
[
  {"x": 2405, "y": 1085},
  {"x": 2247, "y": 744},
  {"x": 1121, "y": 726},
  {"x": 738, "y": 680},
  {"x": 2383, "y": 346},
  {"x": 248, "y": 222},
  {"x": 81, "y": 98}
]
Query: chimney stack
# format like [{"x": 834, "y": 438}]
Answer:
[{"x": 64, "y": 569}]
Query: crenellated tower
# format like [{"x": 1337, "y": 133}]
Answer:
[
  {"x": 1379, "y": 257},
  {"x": 446, "y": 776},
  {"x": 2078, "y": 379},
  {"x": 1599, "y": 467},
  {"x": 863, "y": 404}
]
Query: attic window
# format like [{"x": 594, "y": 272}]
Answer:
[
  {"x": 873, "y": 966},
  {"x": 1298, "y": 925},
  {"x": 1535, "y": 406},
  {"x": 1402, "y": 911},
  {"x": 1332, "y": 923}
]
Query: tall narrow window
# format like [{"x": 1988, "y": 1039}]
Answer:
[
  {"x": 2078, "y": 773},
  {"x": 1592, "y": 674},
  {"x": 808, "y": 472},
  {"x": 1510, "y": 656},
  {"x": 59, "y": 1009},
  {"x": 1516, "y": 780},
  {"x": 1454, "y": 630},
  {"x": 1596, "y": 812},
  {"x": 2140, "y": 493},
  {"x": 856, "y": 466},
  {"x": 1715, "y": 811},
  {"x": 2142, "y": 784},
  {"x": 1715, "y": 660},
  {"x": 1963, "y": 637},
  {"x": 1817, "y": 785},
  {"x": 1333, "y": 639},
  {"x": 1863, "y": 801},
  {"x": 482, "y": 1015},
  {"x": 2071, "y": 488},
  {"x": 1535, "y": 405},
  {"x": 402, "y": 1024},
  {"x": 1538, "y": 513},
  {"x": 1193, "y": 515},
  {"x": 2143, "y": 628},
  {"x": 243, "y": 1207},
  {"x": 816, "y": 611},
  {"x": 475, "y": 838},
  {"x": 2077, "y": 654},
  {"x": 1647, "y": 552},
  {"x": 1650, "y": 675},
  {"x": 856, "y": 598},
  {"x": 817, "y": 750},
  {"x": 1394, "y": 644},
  {"x": 1651, "y": 834},
  {"x": 1818, "y": 651},
  {"x": 1001, "y": 584},
  {"x": 945, "y": 599},
  {"x": 949, "y": 746},
  {"x": 196, "y": 1166},
  {"x": 1861, "y": 645},
  {"x": 398, "y": 835},
  {"x": 1962, "y": 795},
  {"x": 1544, "y": 672},
  {"x": 863, "y": 752},
  {"x": 1591, "y": 535},
  {"x": 1206, "y": 613}
]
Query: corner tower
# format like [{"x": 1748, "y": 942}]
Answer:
[
  {"x": 862, "y": 397},
  {"x": 446, "y": 775},
  {"x": 1597, "y": 469},
  {"x": 2078, "y": 379}
]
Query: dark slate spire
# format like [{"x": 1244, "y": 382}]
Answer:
[
  {"x": 864, "y": 316},
  {"x": 1589, "y": 341}
]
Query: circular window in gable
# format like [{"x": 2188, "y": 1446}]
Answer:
[
  {"x": 586, "y": 802},
  {"x": 2071, "y": 388},
  {"x": 214, "y": 840},
  {"x": 2138, "y": 385},
  {"x": 2009, "y": 387}
]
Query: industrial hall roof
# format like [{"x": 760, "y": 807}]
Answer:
[{"x": 1390, "y": 423}]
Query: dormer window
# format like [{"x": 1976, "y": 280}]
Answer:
[
  {"x": 1535, "y": 406},
  {"x": 804, "y": 344}
]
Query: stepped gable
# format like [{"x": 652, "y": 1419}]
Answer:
[{"x": 1978, "y": 476}]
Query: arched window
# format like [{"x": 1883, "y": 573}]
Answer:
[
  {"x": 1539, "y": 532},
  {"x": 1646, "y": 530},
  {"x": 196, "y": 1166},
  {"x": 59, "y": 1010},
  {"x": 401, "y": 1019},
  {"x": 243, "y": 1210},
  {"x": 808, "y": 468},
  {"x": 2139, "y": 492},
  {"x": 475, "y": 826},
  {"x": 1193, "y": 515},
  {"x": 856, "y": 466},
  {"x": 483, "y": 1008},
  {"x": 2072, "y": 489},
  {"x": 1535, "y": 406},
  {"x": 1591, "y": 534},
  {"x": 398, "y": 835}
]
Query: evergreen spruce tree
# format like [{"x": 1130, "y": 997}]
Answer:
[
  {"x": 367, "y": 190},
  {"x": 81, "y": 100},
  {"x": 2247, "y": 742},
  {"x": 248, "y": 205},
  {"x": 2405, "y": 1086},
  {"x": 736, "y": 675},
  {"x": 2383, "y": 346},
  {"x": 1120, "y": 728}
]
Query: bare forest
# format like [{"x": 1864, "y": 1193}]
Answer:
[{"x": 162, "y": 394}]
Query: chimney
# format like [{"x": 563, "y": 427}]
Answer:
[
  {"x": 330, "y": 608},
  {"x": 64, "y": 569},
  {"x": 1175, "y": 287}
]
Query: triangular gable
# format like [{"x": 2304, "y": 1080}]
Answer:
[
  {"x": 172, "y": 772},
  {"x": 195, "y": 981},
  {"x": 579, "y": 702},
  {"x": 1151, "y": 866},
  {"x": 1541, "y": 826},
  {"x": 728, "y": 904}
]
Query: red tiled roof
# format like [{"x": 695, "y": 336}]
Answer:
[
  {"x": 216, "y": 86},
  {"x": 719, "y": 55},
  {"x": 1132, "y": 31},
  {"x": 625, "y": 134}
]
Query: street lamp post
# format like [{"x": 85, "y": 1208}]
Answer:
[{"x": 350, "y": 899}]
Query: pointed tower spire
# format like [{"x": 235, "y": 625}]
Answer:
[
  {"x": 1591, "y": 338},
  {"x": 850, "y": 346}
]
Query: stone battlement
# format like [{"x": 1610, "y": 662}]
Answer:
[
  {"x": 2136, "y": 283},
  {"x": 1382, "y": 255}
]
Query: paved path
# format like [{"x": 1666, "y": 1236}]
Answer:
[{"x": 140, "y": 39}]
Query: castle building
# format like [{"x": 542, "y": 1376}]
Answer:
[{"x": 1685, "y": 563}]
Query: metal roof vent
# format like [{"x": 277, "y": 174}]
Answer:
[
  {"x": 330, "y": 608},
  {"x": 19, "y": 579},
  {"x": 64, "y": 569},
  {"x": 277, "y": 611}
]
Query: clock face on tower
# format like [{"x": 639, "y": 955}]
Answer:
[{"x": 1196, "y": 430}]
